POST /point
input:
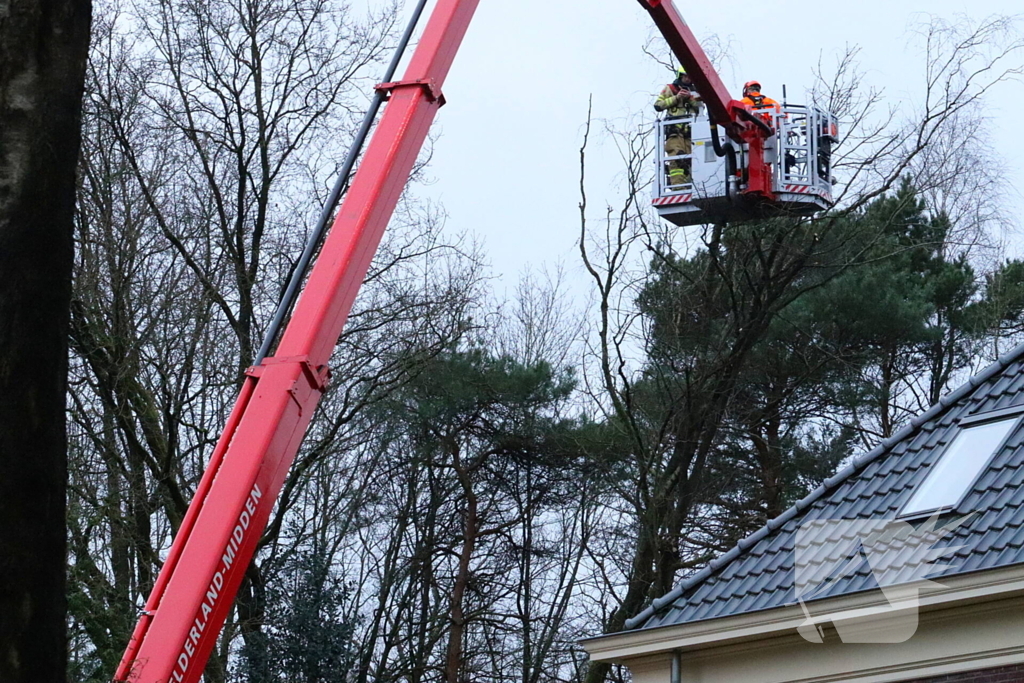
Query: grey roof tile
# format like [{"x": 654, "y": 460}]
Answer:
[
  {"x": 1008, "y": 537},
  {"x": 1000, "y": 519},
  {"x": 759, "y": 572},
  {"x": 993, "y": 478},
  {"x": 903, "y": 479},
  {"x": 1007, "y": 457},
  {"x": 1009, "y": 555},
  {"x": 1002, "y": 384},
  {"x": 1017, "y": 380},
  {"x": 1018, "y": 476},
  {"x": 973, "y": 562},
  {"x": 862, "y": 507},
  {"x": 1006, "y": 401},
  {"x": 769, "y": 598},
  {"x": 937, "y": 438},
  {"x": 981, "y": 500},
  {"x": 748, "y": 584},
  {"x": 1005, "y": 496}
]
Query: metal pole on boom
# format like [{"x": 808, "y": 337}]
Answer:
[
  {"x": 302, "y": 265},
  {"x": 205, "y": 566}
]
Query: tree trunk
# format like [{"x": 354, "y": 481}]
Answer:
[
  {"x": 470, "y": 529},
  {"x": 43, "y": 51},
  {"x": 638, "y": 592}
]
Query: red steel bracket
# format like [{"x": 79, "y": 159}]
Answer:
[
  {"x": 318, "y": 377},
  {"x": 742, "y": 111},
  {"x": 434, "y": 93},
  {"x": 752, "y": 130}
]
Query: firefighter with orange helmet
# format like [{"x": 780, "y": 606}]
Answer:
[
  {"x": 678, "y": 99},
  {"x": 753, "y": 98}
]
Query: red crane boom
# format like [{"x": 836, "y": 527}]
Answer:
[
  {"x": 198, "y": 582},
  {"x": 691, "y": 55}
]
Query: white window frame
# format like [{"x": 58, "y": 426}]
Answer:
[{"x": 1013, "y": 415}]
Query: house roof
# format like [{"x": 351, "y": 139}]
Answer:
[{"x": 759, "y": 573}]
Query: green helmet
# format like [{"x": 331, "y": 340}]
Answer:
[{"x": 681, "y": 73}]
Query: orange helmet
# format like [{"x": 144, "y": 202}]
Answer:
[{"x": 751, "y": 86}]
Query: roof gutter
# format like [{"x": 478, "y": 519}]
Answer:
[{"x": 958, "y": 590}]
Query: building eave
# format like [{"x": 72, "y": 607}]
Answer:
[{"x": 868, "y": 607}]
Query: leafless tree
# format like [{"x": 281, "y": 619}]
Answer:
[{"x": 209, "y": 133}]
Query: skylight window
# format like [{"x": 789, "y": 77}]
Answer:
[{"x": 959, "y": 466}]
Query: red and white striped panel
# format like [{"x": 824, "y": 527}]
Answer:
[
  {"x": 807, "y": 189},
  {"x": 674, "y": 199}
]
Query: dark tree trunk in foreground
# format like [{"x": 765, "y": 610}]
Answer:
[{"x": 43, "y": 49}]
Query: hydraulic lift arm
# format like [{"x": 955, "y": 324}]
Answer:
[
  {"x": 205, "y": 566},
  {"x": 198, "y": 582}
]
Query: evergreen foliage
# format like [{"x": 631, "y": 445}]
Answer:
[
  {"x": 308, "y": 637},
  {"x": 861, "y": 329}
]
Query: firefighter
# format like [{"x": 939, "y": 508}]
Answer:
[
  {"x": 753, "y": 98},
  {"x": 678, "y": 99}
]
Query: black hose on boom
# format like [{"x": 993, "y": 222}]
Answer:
[
  {"x": 729, "y": 152},
  {"x": 715, "y": 141},
  {"x": 291, "y": 293}
]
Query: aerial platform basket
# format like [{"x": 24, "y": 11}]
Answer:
[{"x": 713, "y": 187}]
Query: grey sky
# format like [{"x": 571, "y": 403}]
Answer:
[{"x": 506, "y": 162}]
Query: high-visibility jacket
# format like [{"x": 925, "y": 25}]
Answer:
[
  {"x": 759, "y": 101},
  {"x": 677, "y": 101}
]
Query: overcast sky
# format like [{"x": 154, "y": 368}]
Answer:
[{"x": 505, "y": 164}]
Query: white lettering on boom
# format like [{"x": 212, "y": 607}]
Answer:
[{"x": 213, "y": 591}]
